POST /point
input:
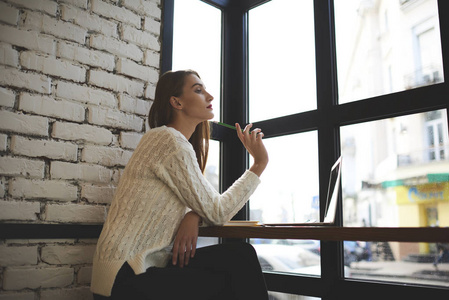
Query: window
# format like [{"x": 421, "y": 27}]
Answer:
[
  {"x": 376, "y": 57},
  {"x": 290, "y": 187},
  {"x": 437, "y": 136},
  {"x": 391, "y": 164},
  {"x": 394, "y": 176},
  {"x": 281, "y": 67},
  {"x": 390, "y": 79}
]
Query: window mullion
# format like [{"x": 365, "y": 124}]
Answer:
[{"x": 328, "y": 137}]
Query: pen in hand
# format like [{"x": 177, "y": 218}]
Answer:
[{"x": 225, "y": 125}]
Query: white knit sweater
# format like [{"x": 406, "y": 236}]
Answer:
[{"x": 160, "y": 183}]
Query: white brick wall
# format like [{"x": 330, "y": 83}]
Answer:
[
  {"x": 17, "y": 296},
  {"x": 47, "y": 106},
  {"x": 52, "y": 66},
  {"x": 18, "y": 256},
  {"x": 114, "y": 118},
  {"x": 31, "y": 40},
  {"x": 84, "y": 275},
  {"x": 81, "y": 133},
  {"x": 30, "y": 81},
  {"x": 85, "y": 94},
  {"x": 67, "y": 294},
  {"x": 151, "y": 59},
  {"x": 3, "y": 142},
  {"x": 57, "y": 28},
  {"x": 49, "y": 189},
  {"x": 139, "y": 37},
  {"x": 7, "y": 97},
  {"x": 80, "y": 171},
  {"x": 116, "y": 83},
  {"x": 8, "y": 56},
  {"x": 105, "y": 156},
  {"x": 117, "y": 47},
  {"x": 8, "y": 14},
  {"x": 129, "y": 140},
  {"x": 132, "y": 69},
  {"x": 117, "y": 13},
  {"x": 135, "y": 106},
  {"x": 67, "y": 254},
  {"x": 89, "y": 21},
  {"x": 149, "y": 8},
  {"x": 86, "y": 56},
  {"x": 34, "y": 278},
  {"x": 17, "y": 166},
  {"x": 25, "y": 124},
  {"x": 43, "y": 148},
  {"x": 97, "y": 194},
  {"x": 46, "y": 6},
  {"x": 74, "y": 213},
  {"x": 77, "y": 80},
  {"x": 19, "y": 210}
]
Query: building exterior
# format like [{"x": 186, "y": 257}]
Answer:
[{"x": 397, "y": 169}]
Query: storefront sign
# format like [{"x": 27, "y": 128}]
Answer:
[{"x": 424, "y": 193}]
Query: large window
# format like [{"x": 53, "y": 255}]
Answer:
[{"x": 360, "y": 79}]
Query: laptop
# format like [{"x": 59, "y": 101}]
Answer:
[{"x": 331, "y": 200}]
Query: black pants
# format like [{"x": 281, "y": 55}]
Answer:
[{"x": 225, "y": 271}]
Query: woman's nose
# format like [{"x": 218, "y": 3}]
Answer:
[{"x": 210, "y": 98}]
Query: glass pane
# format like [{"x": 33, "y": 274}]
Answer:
[
  {"x": 290, "y": 190},
  {"x": 386, "y": 46},
  {"x": 289, "y": 193},
  {"x": 281, "y": 59},
  {"x": 417, "y": 263},
  {"x": 212, "y": 171},
  {"x": 197, "y": 44},
  {"x": 289, "y": 256},
  {"x": 391, "y": 175}
]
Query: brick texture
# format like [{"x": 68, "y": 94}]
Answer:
[{"x": 77, "y": 80}]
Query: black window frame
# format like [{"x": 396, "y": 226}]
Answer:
[{"x": 326, "y": 120}]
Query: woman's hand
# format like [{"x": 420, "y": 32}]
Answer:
[
  {"x": 254, "y": 145},
  {"x": 184, "y": 246}
]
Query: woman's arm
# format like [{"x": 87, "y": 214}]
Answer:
[
  {"x": 180, "y": 171},
  {"x": 184, "y": 246}
]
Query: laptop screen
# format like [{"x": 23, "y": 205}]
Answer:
[{"x": 332, "y": 192}]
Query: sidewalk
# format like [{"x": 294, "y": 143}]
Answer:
[{"x": 402, "y": 271}]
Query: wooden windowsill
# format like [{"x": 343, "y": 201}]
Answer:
[{"x": 398, "y": 234}]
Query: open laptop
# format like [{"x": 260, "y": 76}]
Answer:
[{"x": 331, "y": 200}]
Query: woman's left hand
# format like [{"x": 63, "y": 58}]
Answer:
[{"x": 184, "y": 246}]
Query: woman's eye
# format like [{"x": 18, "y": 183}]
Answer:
[{"x": 198, "y": 91}]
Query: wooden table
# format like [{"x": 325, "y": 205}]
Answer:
[{"x": 398, "y": 234}]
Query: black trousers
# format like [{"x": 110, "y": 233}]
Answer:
[{"x": 225, "y": 271}]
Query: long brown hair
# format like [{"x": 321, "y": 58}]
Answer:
[{"x": 161, "y": 112}]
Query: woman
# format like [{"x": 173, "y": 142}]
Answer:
[{"x": 163, "y": 197}]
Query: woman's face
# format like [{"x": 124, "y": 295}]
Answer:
[{"x": 195, "y": 101}]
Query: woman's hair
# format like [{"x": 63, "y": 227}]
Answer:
[{"x": 161, "y": 112}]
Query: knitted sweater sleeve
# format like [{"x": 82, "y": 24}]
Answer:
[{"x": 181, "y": 172}]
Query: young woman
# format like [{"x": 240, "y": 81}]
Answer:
[{"x": 161, "y": 200}]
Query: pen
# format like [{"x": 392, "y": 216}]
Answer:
[{"x": 225, "y": 125}]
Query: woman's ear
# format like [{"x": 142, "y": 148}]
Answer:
[{"x": 175, "y": 102}]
